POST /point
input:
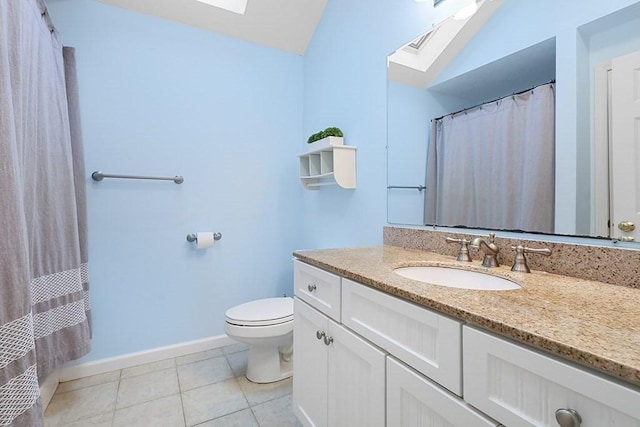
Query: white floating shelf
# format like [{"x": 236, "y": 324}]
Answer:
[{"x": 329, "y": 162}]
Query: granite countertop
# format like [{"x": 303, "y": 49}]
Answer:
[{"x": 591, "y": 323}]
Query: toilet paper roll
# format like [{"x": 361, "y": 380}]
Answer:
[{"x": 205, "y": 239}]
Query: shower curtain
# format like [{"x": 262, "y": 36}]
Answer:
[
  {"x": 44, "y": 300},
  {"x": 493, "y": 166}
]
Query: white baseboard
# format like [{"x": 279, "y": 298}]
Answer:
[{"x": 73, "y": 372}]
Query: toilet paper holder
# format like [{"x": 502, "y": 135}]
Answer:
[{"x": 193, "y": 237}]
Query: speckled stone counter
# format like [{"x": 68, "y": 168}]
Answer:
[{"x": 591, "y": 323}]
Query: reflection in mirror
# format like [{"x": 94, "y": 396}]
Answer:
[
  {"x": 491, "y": 166},
  {"x": 492, "y": 65}
]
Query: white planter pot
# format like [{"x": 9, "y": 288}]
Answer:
[{"x": 328, "y": 142}]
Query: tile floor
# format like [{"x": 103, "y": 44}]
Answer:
[{"x": 205, "y": 389}]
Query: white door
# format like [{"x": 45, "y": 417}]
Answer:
[
  {"x": 625, "y": 147},
  {"x": 310, "y": 367},
  {"x": 356, "y": 387}
]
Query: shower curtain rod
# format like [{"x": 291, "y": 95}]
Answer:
[
  {"x": 98, "y": 176},
  {"x": 493, "y": 100}
]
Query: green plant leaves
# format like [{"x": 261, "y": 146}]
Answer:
[{"x": 330, "y": 131}]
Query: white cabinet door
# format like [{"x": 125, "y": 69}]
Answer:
[
  {"x": 425, "y": 340},
  {"x": 310, "y": 367},
  {"x": 415, "y": 401},
  {"x": 318, "y": 288},
  {"x": 338, "y": 378},
  {"x": 521, "y": 387},
  {"x": 356, "y": 380}
]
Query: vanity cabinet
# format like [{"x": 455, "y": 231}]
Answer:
[
  {"x": 428, "y": 342},
  {"x": 339, "y": 379},
  {"x": 522, "y": 387},
  {"x": 365, "y": 357},
  {"x": 342, "y": 336},
  {"x": 318, "y": 288},
  {"x": 414, "y": 400}
]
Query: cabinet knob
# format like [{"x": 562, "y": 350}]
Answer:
[
  {"x": 320, "y": 334},
  {"x": 568, "y": 418},
  {"x": 328, "y": 340},
  {"x": 311, "y": 287}
]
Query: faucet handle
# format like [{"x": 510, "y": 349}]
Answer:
[
  {"x": 463, "y": 253},
  {"x": 520, "y": 261}
]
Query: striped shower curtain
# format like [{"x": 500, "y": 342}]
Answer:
[{"x": 44, "y": 300}]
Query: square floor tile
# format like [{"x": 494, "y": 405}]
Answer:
[
  {"x": 238, "y": 362},
  {"x": 103, "y": 420},
  {"x": 87, "y": 402},
  {"x": 276, "y": 413},
  {"x": 242, "y": 418},
  {"x": 260, "y": 393},
  {"x": 234, "y": 348},
  {"x": 204, "y": 372},
  {"x": 148, "y": 367},
  {"x": 146, "y": 387},
  {"x": 212, "y": 401},
  {"x": 196, "y": 357},
  {"x": 88, "y": 381},
  {"x": 166, "y": 411}
]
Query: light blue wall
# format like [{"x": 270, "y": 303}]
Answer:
[
  {"x": 161, "y": 98},
  {"x": 345, "y": 85}
]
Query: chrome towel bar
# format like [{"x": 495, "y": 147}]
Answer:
[
  {"x": 98, "y": 176},
  {"x": 407, "y": 187}
]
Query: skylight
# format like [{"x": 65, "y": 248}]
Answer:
[
  {"x": 235, "y": 6},
  {"x": 420, "y": 41},
  {"x": 418, "y": 62}
]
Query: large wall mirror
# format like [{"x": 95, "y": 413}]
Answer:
[{"x": 592, "y": 53}]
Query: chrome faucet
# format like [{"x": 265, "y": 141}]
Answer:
[
  {"x": 520, "y": 261},
  {"x": 463, "y": 252},
  {"x": 489, "y": 248}
]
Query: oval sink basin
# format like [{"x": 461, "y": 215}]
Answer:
[{"x": 456, "y": 278}]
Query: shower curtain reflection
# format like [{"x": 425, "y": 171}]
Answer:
[
  {"x": 44, "y": 282},
  {"x": 493, "y": 166}
]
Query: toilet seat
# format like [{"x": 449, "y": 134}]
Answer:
[{"x": 263, "y": 312}]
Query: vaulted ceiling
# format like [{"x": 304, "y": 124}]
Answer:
[{"x": 283, "y": 24}]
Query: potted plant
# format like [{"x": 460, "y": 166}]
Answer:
[{"x": 331, "y": 136}]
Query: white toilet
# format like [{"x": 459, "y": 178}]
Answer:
[{"x": 267, "y": 326}]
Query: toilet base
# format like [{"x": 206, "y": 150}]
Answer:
[{"x": 266, "y": 365}]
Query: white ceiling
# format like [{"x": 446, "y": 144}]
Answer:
[{"x": 283, "y": 24}]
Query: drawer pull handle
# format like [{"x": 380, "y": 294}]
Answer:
[
  {"x": 568, "y": 418},
  {"x": 328, "y": 340},
  {"x": 320, "y": 334},
  {"x": 311, "y": 287}
]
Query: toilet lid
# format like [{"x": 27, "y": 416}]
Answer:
[{"x": 262, "y": 312}]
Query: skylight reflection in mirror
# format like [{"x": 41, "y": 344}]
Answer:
[{"x": 235, "y": 6}]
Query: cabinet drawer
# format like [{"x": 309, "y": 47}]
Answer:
[
  {"x": 522, "y": 387},
  {"x": 318, "y": 288},
  {"x": 413, "y": 400},
  {"x": 427, "y": 341}
]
